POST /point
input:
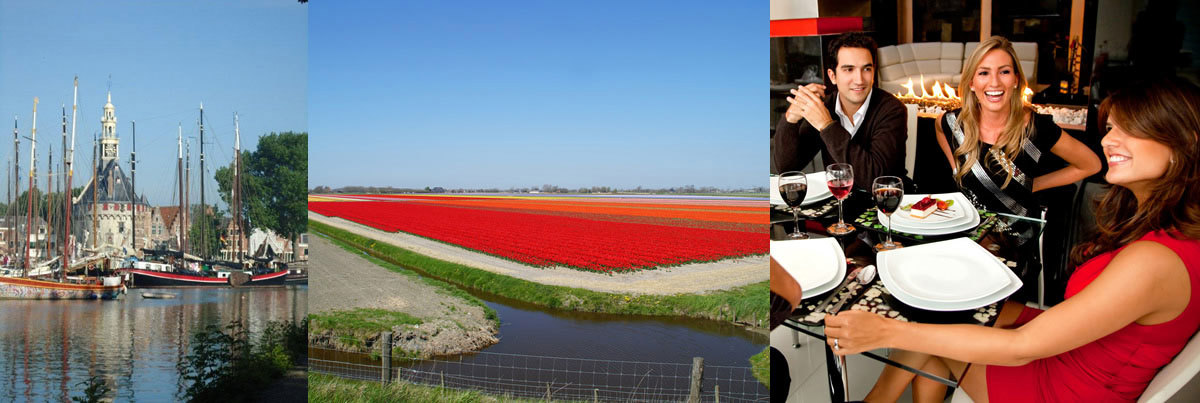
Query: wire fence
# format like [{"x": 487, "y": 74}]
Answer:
[{"x": 556, "y": 378}]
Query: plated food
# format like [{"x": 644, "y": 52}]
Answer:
[{"x": 927, "y": 206}]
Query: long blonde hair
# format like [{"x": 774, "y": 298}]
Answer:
[{"x": 1015, "y": 132}]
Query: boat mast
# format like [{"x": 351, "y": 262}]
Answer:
[
  {"x": 66, "y": 254},
  {"x": 95, "y": 183},
  {"x": 29, "y": 196},
  {"x": 50, "y": 192},
  {"x": 16, "y": 186},
  {"x": 237, "y": 193},
  {"x": 179, "y": 170},
  {"x": 187, "y": 194},
  {"x": 203, "y": 206},
  {"x": 133, "y": 185}
]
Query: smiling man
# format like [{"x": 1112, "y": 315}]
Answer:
[{"x": 856, "y": 124}]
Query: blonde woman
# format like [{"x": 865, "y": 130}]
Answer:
[
  {"x": 1001, "y": 152},
  {"x": 1130, "y": 307}
]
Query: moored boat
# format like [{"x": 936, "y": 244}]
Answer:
[
  {"x": 151, "y": 278},
  {"x": 27, "y": 288},
  {"x": 28, "y": 285},
  {"x": 269, "y": 279}
]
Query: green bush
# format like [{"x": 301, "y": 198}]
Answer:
[{"x": 224, "y": 365}]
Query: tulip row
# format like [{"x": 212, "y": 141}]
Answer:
[{"x": 551, "y": 239}]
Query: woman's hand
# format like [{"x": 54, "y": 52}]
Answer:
[{"x": 852, "y": 332}]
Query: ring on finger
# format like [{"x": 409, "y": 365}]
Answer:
[{"x": 835, "y": 344}]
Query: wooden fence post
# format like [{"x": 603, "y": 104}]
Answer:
[
  {"x": 717, "y": 393},
  {"x": 385, "y": 339},
  {"x": 697, "y": 376},
  {"x": 547, "y": 391}
]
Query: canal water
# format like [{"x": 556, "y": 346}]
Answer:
[
  {"x": 48, "y": 347},
  {"x": 577, "y": 354}
]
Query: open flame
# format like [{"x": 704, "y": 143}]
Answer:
[
  {"x": 940, "y": 94},
  {"x": 938, "y": 91}
]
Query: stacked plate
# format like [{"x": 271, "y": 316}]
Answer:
[
  {"x": 817, "y": 264},
  {"x": 960, "y": 216},
  {"x": 953, "y": 275},
  {"x": 818, "y": 189}
]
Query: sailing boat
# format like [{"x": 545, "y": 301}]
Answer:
[
  {"x": 263, "y": 279},
  {"x": 27, "y": 287},
  {"x": 162, "y": 275}
]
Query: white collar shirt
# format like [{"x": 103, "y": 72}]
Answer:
[{"x": 852, "y": 123}]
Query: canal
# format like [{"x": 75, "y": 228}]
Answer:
[{"x": 48, "y": 347}]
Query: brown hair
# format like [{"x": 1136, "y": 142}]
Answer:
[
  {"x": 1015, "y": 132},
  {"x": 852, "y": 40},
  {"x": 1167, "y": 111}
]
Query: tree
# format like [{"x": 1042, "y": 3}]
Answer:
[
  {"x": 224, "y": 177},
  {"x": 274, "y": 184},
  {"x": 205, "y": 232}
]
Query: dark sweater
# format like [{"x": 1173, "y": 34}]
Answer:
[{"x": 876, "y": 150}]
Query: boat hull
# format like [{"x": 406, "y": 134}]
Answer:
[
  {"x": 23, "y": 288},
  {"x": 297, "y": 279},
  {"x": 147, "y": 278},
  {"x": 269, "y": 279}
]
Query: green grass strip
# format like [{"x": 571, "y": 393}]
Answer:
[
  {"x": 760, "y": 366},
  {"x": 743, "y": 305},
  {"x": 328, "y": 388},
  {"x": 364, "y": 320}
]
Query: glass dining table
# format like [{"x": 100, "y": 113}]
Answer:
[{"x": 1013, "y": 240}]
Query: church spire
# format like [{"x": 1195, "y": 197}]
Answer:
[{"x": 109, "y": 150}]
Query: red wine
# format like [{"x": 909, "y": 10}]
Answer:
[
  {"x": 793, "y": 193},
  {"x": 840, "y": 188},
  {"x": 888, "y": 199}
]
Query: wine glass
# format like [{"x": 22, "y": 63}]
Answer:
[
  {"x": 888, "y": 191},
  {"x": 793, "y": 186},
  {"x": 841, "y": 180}
]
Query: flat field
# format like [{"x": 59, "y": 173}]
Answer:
[{"x": 597, "y": 233}]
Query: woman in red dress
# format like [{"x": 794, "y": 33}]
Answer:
[{"x": 1129, "y": 309}]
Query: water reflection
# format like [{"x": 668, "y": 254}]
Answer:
[{"x": 48, "y": 347}]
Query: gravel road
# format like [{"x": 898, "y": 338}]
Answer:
[{"x": 341, "y": 280}]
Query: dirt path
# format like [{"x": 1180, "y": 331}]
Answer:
[
  {"x": 292, "y": 387},
  {"x": 345, "y": 281},
  {"x": 691, "y": 278}
]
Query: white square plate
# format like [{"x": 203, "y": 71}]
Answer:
[
  {"x": 817, "y": 264},
  {"x": 957, "y": 274}
]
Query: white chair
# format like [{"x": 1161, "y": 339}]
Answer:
[
  {"x": 1172, "y": 377},
  {"x": 910, "y": 144},
  {"x": 1169, "y": 380}
]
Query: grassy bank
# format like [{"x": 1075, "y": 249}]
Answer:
[
  {"x": 353, "y": 327},
  {"x": 327, "y": 388},
  {"x": 760, "y": 365},
  {"x": 744, "y": 305}
]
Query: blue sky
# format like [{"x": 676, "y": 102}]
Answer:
[
  {"x": 519, "y": 94},
  {"x": 165, "y": 58}
]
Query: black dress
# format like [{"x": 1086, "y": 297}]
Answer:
[{"x": 985, "y": 184}]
